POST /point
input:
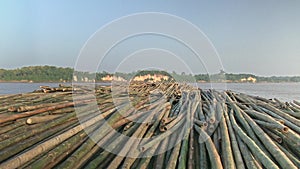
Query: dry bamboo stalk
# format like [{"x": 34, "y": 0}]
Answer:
[
  {"x": 203, "y": 156},
  {"x": 293, "y": 136},
  {"x": 288, "y": 142},
  {"x": 34, "y": 107},
  {"x": 61, "y": 111},
  {"x": 200, "y": 123},
  {"x": 38, "y": 111},
  {"x": 196, "y": 155},
  {"x": 41, "y": 119},
  {"x": 25, "y": 135},
  {"x": 145, "y": 162},
  {"x": 162, "y": 136},
  {"x": 280, "y": 113},
  {"x": 256, "y": 151},
  {"x": 267, "y": 118},
  {"x": 294, "y": 159},
  {"x": 86, "y": 156},
  {"x": 272, "y": 125},
  {"x": 172, "y": 161},
  {"x": 39, "y": 149},
  {"x": 273, "y": 135},
  {"x": 248, "y": 158},
  {"x": 128, "y": 126},
  {"x": 286, "y": 122},
  {"x": 117, "y": 161},
  {"x": 239, "y": 115},
  {"x": 212, "y": 152},
  {"x": 159, "y": 163},
  {"x": 172, "y": 142},
  {"x": 173, "y": 123},
  {"x": 87, "y": 146},
  {"x": 167, "y": 120},
  {"x": 296, "y": 102},
  {"x": 191, "y": 159},
  {"x": 134, "y": 152},
  {"x": 191, "y": 163},
  {"x": 216, "y": 141},
  {"x": 115, "y": 143},
  {"x": 12, "y": 126},
  {"x": 16, "y": 148},
  {"x": 226, "y": 146},
  {"x": 59, "y": 152},
  {"x": 235, "y": 148},
  {"x": 149, "y": 153},
  {"x": 182, "y": 161},
  {"x": 281, "y": 158}
]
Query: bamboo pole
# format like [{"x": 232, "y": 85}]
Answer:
[
  {"x": 115, "y": 144},
  {"x": 226, "y": 146},
  {"x": 212, "y": 152},
  {"x": 281, "y": 158},
  {"x": 39, "y": 149},
  {"x": 257, "y": 152},
  {"x": 38, "y": 111},
  {"x": 161, "y": 137},
  {"x": 251, "y": 141},
  {"x": 235, "y": 147},
  {"x": 41, "y": 119},
  {"x": 249, "y": 160}
]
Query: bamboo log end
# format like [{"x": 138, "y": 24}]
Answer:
[{"x": 29, "y": 121}]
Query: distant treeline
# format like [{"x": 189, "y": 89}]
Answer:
[
  {"x": 37, "y": 74},
  {"x": 59, "y": 74}
]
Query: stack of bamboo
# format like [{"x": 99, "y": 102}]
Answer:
[{"x": 174, "y": 126}]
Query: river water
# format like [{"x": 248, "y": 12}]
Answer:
[{"x": 282, "y": 91}]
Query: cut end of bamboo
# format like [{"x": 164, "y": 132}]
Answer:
[
  {"x": 212, "y": 120},
  {"x": 142, "y": 149},
  {"x": 12, "y": 109},
  {"x": 29, "y": 121},
  {"x": 279, "y": 140},
  {"x": 285, "y": 129},
  {"x": 281, "y": 121}
]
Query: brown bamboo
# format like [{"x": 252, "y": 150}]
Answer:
[{"x": 41, "y": 119}]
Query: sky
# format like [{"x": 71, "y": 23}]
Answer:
[{"x": 260, "y": 37}]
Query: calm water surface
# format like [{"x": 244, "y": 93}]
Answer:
[{"x": 282, "y": 91}]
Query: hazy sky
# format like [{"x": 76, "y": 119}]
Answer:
[{"x": 261, "y": 37}]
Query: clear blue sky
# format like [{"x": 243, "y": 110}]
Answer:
[{"x": 260, "y": 37}]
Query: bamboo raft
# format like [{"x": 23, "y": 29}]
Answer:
[{"x": 177, "y": 126}]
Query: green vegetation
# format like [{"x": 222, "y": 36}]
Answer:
[
  {"x": 59, "y": 74},
  {"x": 37, "y": 74}
]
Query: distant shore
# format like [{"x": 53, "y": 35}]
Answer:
[
  {"x": 53, "y": 74},
  {"x": 27, "y": 81}
]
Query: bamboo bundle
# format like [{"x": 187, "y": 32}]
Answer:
[{"x": 148, "y": 125}]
